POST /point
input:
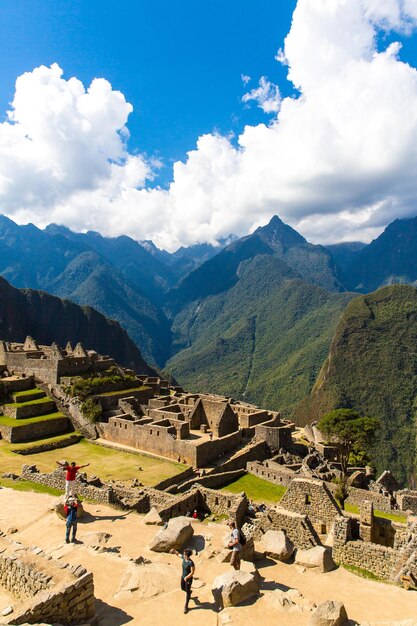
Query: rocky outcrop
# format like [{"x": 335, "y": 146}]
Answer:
[
  {"x": 153, "y": 518},
  {"x": 234, "y": 587}
]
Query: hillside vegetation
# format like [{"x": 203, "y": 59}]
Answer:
[
  {"x": 264, "y": 340},
  {"x": 372, "y": 368}
]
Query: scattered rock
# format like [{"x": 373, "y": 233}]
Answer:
[
  {"x": 276, "y": 545},
  {"x": 329, "y": 613},
  {"x": 11, "y": 530},
  {"x": 97, "y": 541},
  {"x": 291, "y": 601},
  {"x": 234, "y": 587},
  {"x": 178, "y": 532},
  {"x": 318, "y": 556},
  {"x": 153, "y": 518},
  {"x": 10, "y": 475},
  {"x": 146, "y": 581},
  {"x": 247, "y": 553},
  {"x": 7, "y": 611}
]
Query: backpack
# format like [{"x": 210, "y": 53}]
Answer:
[{"x": 242, "y": 538}]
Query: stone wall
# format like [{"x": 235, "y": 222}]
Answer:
[
  {"x": 35, "y": 430},
  {"x": 313, "y": 498},
  {"x": 407, "y": 500},
  {"x": 222, "y": 503},
  {"x": 72, "y": 406},
  {"x": 213, "y": 480},
  {"x": 276, "y": 434},
  {"x": 380, "y": 502},
  {"x": 253, "y": 451},
  {"x": 44, "y": 589},
  {"x": 298, "y": 527},
  {"x": 57, "y": 480},
  {"x": 45, "y": 447},
  {"x": 174, "y": 480},
  {"x": 272, "y": 472},
  {"x": 25, "y": 411},
  {"x": 159, "y": 440}
]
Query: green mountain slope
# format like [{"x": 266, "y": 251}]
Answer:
[
  {"x": 372, "y": 367},
  {"x": 263, "y": 340},
  {"x": 313, "y": 263},
  {"x": 48, "y": 318},
  {"x": 89, "y": 279}
]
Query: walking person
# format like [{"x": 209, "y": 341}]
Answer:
[
  {"x": 71, "y": 473},
  {"x": 188, "y": 570},
  {"x": 235, "y": 545},
  {"x": 71, "y": 510}
]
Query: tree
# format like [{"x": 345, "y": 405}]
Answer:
[{"x": 352, "y": 434}]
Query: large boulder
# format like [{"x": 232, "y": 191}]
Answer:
[
  {"x": 276, "y": 545},
  {"x": 318, "y": 557},
  {"x": 234, "y": 587},
  {"x": 329, "y": 613},
  {"x": 176, "y": 535}
]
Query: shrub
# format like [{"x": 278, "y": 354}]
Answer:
[{"x": 91, "y": 409}]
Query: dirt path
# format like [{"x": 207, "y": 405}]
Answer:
[{"x": 113, "y": 568}]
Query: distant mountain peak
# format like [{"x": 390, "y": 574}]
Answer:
[{"x": 277, "y": 232}]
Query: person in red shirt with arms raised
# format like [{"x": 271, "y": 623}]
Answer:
[{"x": 71, "y": 473}]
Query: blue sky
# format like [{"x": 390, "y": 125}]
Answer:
[
  {"x": 178, "y": 62},
  {"x": 327, "y": 140}
]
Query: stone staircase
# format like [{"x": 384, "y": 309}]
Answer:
[{"x": 408, "y": 567}]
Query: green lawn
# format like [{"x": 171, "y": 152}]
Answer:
[
  {"x": 256, "y": 489},
  {"x": 394, "y": 517},
  {"x": 104, "y": 462},
  {"x": 27, "y": 485},
  {"x": 10, "y": 421}
]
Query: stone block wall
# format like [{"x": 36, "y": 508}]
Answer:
[
  {"x": 272, "y": 472},
  {"x": 298, "y": 527},
  {"x": 380, "y": 502},
  {"x": 174, "y": 480},
  {"x": 26, "y": 411},
  {"x": 313, "y": 498},
  {"x": 222, "y": 503},
  {"x": 407, "y": 500},
  {"x": 44, "y": 589},
  {"x": 57, "y": 480},
  {"x": 37, "y": 430},
  {"x": 379, "y": 560},
  {"x": 213, "y": 480}
]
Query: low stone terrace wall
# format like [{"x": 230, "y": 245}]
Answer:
[{"x": 45, "y": 590}]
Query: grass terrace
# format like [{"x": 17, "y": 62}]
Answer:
[
  {"x": 104, "y": 462},
  {"x": 19, "y": 396},
  {"x": 16, "y": 423},
  {"x": 256, "y": 489},
  {"x": 39, "y": 401}
]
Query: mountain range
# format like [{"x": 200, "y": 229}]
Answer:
[{"x": 253, "y": 317}]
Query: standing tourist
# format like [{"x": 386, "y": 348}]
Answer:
[
  {"x": 188, "y": 569},
  {"x": 71, "y": 473},
  {"x": 71, "y": 510},
  {"x": 235, "y": 545}
]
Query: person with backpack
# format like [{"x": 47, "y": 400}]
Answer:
[
  {"x": 237, "y": 540},
  {"x": 71, "y": 511}
]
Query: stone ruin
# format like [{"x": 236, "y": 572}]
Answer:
[
  {"x": 43, "y": 589},
  {"x": 49, "y": 363}
]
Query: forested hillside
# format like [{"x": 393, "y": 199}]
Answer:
[{"x": 372, "y": 367}]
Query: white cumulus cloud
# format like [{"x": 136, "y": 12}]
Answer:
[{"x": 338, "y": 161}]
